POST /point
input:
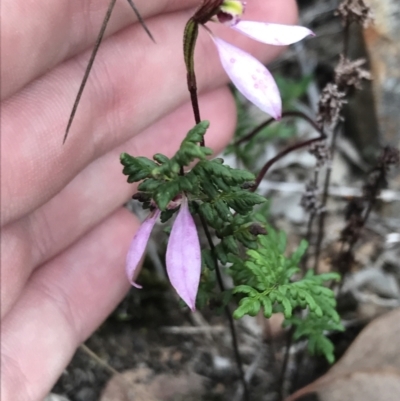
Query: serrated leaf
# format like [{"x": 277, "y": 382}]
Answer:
[
  {"x": 229, "y": 244},
  {"x": 197, "y": 133},
  {"x": 299, "y": 252},
  {"x": 208, "y": 259},
  {"x": 207, "y": 211},
  {"x": 166, "y": 193},
  {"x": 221, "y": 254},
  {"x": 223, "y": 210},
  {"x": 246, "y": 305},
  {"x": 160, "y": 158},
  {"x": 287, "y": 307},
  {"x": 267, "y": 305},
  {"x": 255, "y": 308},
  {"x": 149, "y": 185},
  {"x": 245, "y": 289}
]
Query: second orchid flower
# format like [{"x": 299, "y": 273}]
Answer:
[{"x": 248, "y": 74}]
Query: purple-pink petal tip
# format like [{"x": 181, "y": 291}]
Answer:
[
  {"x": 183, "y": 257},
  {"x": 138, "y": 246}
]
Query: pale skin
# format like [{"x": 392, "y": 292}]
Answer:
[{"x": 64, "y": 232}]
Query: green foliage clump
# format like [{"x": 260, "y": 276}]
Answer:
[
  {"x": 314, "y": 328},
  {"x": 217, "y": 188},
  {"x": 268, "y": 274},
  {"x": 264, "y": 277}
]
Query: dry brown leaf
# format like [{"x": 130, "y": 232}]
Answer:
[
  {"x": 369, "y": 370},
  {"x": 142, "y": 384},
  {"x": 382, "y": 385}
]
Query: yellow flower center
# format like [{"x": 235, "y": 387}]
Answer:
[{"x": 235, "y": 8}]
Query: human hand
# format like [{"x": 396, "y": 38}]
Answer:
[{"x": 64, "y": 232}]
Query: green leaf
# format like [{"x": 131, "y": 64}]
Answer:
[
  {"x": 247, "y": 306},
  {"x": 287, "y": 307},
  {"x": 197, "y": 133},
  {"x": 245, "y": 289},
  {"x": 230, "y": 244},
  {"x": 223, "y": 210},
  {"x": 166, "y": 193},
  {"x": 208, "y": 259},
  {"x": 160, "y": 158},
  {"x": 267, "y": 305},
  {"x": 207, "y": 212}
]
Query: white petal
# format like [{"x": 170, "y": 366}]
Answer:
[
  {"x": 273, "y": 34},
  {"x": 138, "y": 246},
  {"x": 250, "y": 77},
  {"x": 183, "y": 258}
]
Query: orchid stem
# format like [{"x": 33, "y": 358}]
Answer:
[
  {"x": 189, "y": 44},
  {"x": 194, "y": 99},
  {"x": 228, "y": 313}
]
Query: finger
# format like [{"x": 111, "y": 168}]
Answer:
[
  {"x": 97, "y": 191},
  {"x": 110, "y": 112},
  {"x": 49, "y": 33},
  {"x": 63, "y": 303}
]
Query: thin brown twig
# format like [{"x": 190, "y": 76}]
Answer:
[
  {"x": 285, "y": 114},
  {"x": 89, "y": 67},
  {"x": 309, "y": 231},
  {"x": 96, "y": 47},
  {"x": 322, "y": 216},
  {"x": 141, "y": 20},
  {"x": 279, "y": 156}
]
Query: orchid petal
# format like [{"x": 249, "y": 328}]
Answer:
[
  {"x": 138, "y": 246},
  {"x": 250, "y": 77},
  {"x": 183, "y": 257},
  {"x": 273, "y": 34}
]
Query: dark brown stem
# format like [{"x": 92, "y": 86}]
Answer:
[
  {"x": 289, "y": 343},
  {"x": 192, "y": 86},
  {"x": 309, "y": 231},
  {"x": 89, "y": 67},
  {"x": 206, "y": 11},
  {"x": 321, "y": 220},
  {"x": 346, "y": 39},
  {"x": 279, "y": 156},
  {"x": 141, "y": 20},
  {"x": 285, "y": 114},
  {"x": 235, "y": 344},
  {"x": 93, "y": 56}
]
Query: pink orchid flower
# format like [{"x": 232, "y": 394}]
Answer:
[
  {"x": 183, "y": 257},
  {"x": 248, "y": 74}
]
